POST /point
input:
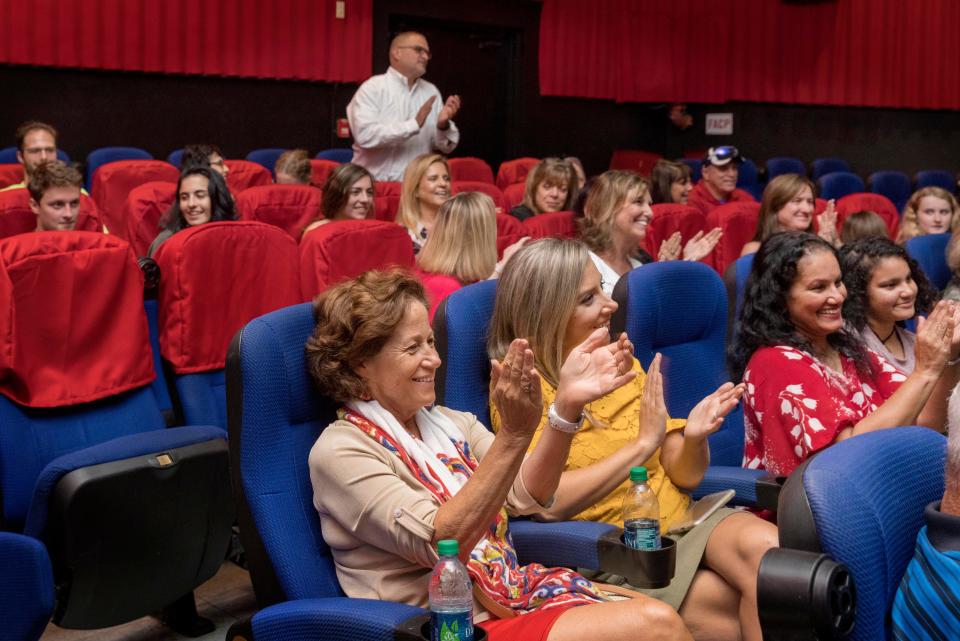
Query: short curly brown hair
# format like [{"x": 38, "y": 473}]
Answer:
[{"x": 355, "y": 319}]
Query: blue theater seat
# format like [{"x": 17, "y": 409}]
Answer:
[
  {"x": 266, "y": 157},
  {"x": 895, "y": 185},
  {"x": 930, "y": 251},
  {"x": 823, "y": 166},
  {"x": 935, "y": 178},
  {"x": 26, "y": 591},
  {"x": 839, "y": 184},
  {"x": 340, "y": 155},
  {"x": 748, "y": 179},
  {"x": 784, "y": 165},
  {"x": 104, "y": 155},
  {"x": 134, "y": 515},
  {"x": 861, "y": 503}
]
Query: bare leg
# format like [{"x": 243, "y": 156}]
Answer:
[
  {"x": 734, "y": 551},
  {"x": 640, "y": 618},
  {"x": 710, "y": 608}
]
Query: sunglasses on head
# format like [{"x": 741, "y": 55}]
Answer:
[{"x": 723, "y": 153}]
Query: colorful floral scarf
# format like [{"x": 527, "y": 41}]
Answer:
[{"x": 493, "y": 564}]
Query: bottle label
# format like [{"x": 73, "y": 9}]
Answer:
[
  {"x": 642, "y": 534},
  {"x": 451, "y": 626}
]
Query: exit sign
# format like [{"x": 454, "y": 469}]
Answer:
[{"x": 719, "y": 124}]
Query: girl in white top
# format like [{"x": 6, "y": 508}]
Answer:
[{"x": 614, "y": 223}]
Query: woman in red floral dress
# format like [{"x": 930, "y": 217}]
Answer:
[{"x": 811, "y": 382}]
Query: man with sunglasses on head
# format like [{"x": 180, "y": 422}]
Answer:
[
  {"x": 718, "y": 182},
  {"x": 397, "y": 116}
]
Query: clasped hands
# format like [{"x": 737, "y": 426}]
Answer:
[{"x": 593, "y": 369}]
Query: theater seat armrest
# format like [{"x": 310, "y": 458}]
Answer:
[
  {"x": 120, "y": 448},
  {"x": 571, "y": 544},
  {"x": 334, "y": 619},
  {"x": 804, "y": 595},
  {"x": 743, "y": 481}
]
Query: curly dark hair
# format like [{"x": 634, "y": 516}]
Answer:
[
  {"x": 355, "y": 319},
  {"x": 859, "y": 259},
  {"x": 764, "y": 319}
]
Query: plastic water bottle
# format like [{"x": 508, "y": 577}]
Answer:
[
  {"x": 641, "y": 513},
  {"x": 451, "y": 596}
]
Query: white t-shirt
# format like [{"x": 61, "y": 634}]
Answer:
[{"x": 609, "y": 277}]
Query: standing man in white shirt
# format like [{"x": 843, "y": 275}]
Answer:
[{"x": 396, "y": 116}]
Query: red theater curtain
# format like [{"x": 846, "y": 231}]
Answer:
[
  {"x": 290, "y": 39},
  {"x": 882, "y": 53}
]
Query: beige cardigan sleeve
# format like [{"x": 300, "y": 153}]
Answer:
[{"x": 370, "y": 493}]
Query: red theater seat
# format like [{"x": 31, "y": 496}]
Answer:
[
  {"x": 16, "y": 217},
  {"x": 10, "y": 174},
  {"x": 214, "y": 279},
  {"x": 515, "y": 171},
  {"x": 881, "y": 205},
  {"x": 244, "y": 174},
  {"x": 386, "y": 200},
  {"x": 509, "y": 231},
  {"x": 346, "y": 248},
  {"x": 470, "y": 169},
  {"x": 559, "y": 223},
  {"x": 489, "y": 189},
  {"x": 45, "y": 292},
  {"x": 320, "y": 170},
  {"x": 669, "y": 218},
  {"x": 289, "y": 207},
  {"x": 145, "y": 205},
  {"x": 113, "y": 182},
  {"x": 738, "y": 221},
  {"x": 641, "y": 162},
  {"x": 513, "y": 194}
]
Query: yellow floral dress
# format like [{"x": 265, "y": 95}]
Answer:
[{"x": 613, "y": 421}]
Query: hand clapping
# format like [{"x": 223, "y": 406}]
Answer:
[
  {"x": 592, "y": 370},
  {"x": 707, "y": 416},
  {"x": 516, "y": 390}
]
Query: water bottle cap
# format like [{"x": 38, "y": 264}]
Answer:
[
  {"x": 638, "y": 474},
  {"x": 448, "y": 547}
]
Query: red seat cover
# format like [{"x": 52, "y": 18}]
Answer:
[
  {"x": 513, "y": 194},
  {"x": 558, "y": 223},
  {"x": 113, "y": 182},
  {"x": 641, "y": 162},
  {"x": 386, "y": 200},
  {"x": 72, "y": 326},
  {"x": 470, "y": 169},
  {"x": 515, "y": 171},
  {"x": 145, "y": 205},
  {"x": 509, "y": 231},
  {"x": 289, "y": 207},
  {"x": 320, "y": 170},
  {"x": 244, "y": 174},
  {"x": 669, "y": 218},
  {"x": 346, "y": 248},
  {"x": 877, "y": 203},
  {"x": 10, "y": 174},
  {"x": 214, "y": 279},
  {"x": 16, "y": 217},
  {"x": 738, "y": 221},
  {"x": 485, "y": 188}
]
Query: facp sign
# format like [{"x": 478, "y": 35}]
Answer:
[{"x": 719, "y": 124}]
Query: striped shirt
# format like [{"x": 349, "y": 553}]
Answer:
[{"x": 927, "y": 605}]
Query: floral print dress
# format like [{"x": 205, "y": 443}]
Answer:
[{"x": 794, "y": 405}]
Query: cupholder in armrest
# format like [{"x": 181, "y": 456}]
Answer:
[{"x": 646, "y": 569}]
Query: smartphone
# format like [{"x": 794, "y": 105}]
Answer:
[{"x": 701, "y": 510}]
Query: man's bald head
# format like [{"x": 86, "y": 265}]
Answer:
[{"x": 409, "y": 54}]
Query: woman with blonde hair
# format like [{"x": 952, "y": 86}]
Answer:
[
  {"x": 348, "y": 194},
  {"x": 293, "y": 168},
  {"x": 551, "y": 186},
  {"x": 462, "y": 248},
  {"x": 426, "y": 186},
  {"x": 550, "y": 295},
  {"x": 788, "y": 204},
  {"x": 930, "y": 210},
  {"x": 614, "y": 223}
]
